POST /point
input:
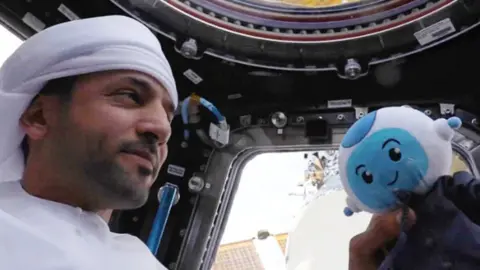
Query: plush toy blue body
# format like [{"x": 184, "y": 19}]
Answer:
[{"x": 392, "y": 150}]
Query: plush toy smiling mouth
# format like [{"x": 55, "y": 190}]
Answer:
[{"x": 394, "y": 180}]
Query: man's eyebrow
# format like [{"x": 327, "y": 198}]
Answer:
[{"x": 141, "y": 84}]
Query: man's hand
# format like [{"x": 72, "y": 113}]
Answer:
[{"x": 381, "y": 230}]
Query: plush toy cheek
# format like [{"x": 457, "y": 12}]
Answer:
[{"x": 359, "y": 130}]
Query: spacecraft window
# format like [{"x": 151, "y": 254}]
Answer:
[
  {"x": 459, "y": 163},
  {"x": 280, "y": 220}
]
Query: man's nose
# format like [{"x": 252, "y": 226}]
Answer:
[{"x": 156, "y": 126}]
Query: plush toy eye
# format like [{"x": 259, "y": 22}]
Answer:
[
  {"x": 367, "y": 177},
  {"x": 395, "y": 154}
]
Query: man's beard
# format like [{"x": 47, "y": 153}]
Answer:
[
  {"x": 98, "y": 174},
  {"x": 116, "y": 186}
]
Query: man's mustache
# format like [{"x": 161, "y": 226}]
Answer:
[{"x": 134, "y": 146}]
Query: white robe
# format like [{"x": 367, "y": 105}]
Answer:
[{"x": 37, "y": 234}]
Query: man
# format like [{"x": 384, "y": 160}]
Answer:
[{"x": 94, "y": 98}]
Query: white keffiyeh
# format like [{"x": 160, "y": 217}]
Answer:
[{"x": 72, "y": 48}]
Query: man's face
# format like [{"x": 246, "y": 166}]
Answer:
[{"x": 112, "y": 136}]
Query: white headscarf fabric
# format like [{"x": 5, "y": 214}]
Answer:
[{"x": 68, "y": 49}]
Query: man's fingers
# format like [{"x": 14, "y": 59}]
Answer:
[{"x": 382, "y": 229}]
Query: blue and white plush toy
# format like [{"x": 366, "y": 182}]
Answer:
[{"x": 392, "y": 150}]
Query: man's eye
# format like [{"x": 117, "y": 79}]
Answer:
[
  {"x": 170, "y": 117},
  {"x": 134, "y": 96}
]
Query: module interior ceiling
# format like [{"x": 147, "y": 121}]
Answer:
[
  {"x": 295, "y": 3},
  {"x": 303, "y": 34}
]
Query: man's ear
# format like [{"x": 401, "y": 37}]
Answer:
[{"x": 37, "y": 117}]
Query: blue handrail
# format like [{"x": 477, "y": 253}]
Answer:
[{"x": 167, "y": 196}]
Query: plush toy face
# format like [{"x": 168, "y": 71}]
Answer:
[
  {"x": 388, "y": 160},
  {"x": 393, "y": 149}
]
